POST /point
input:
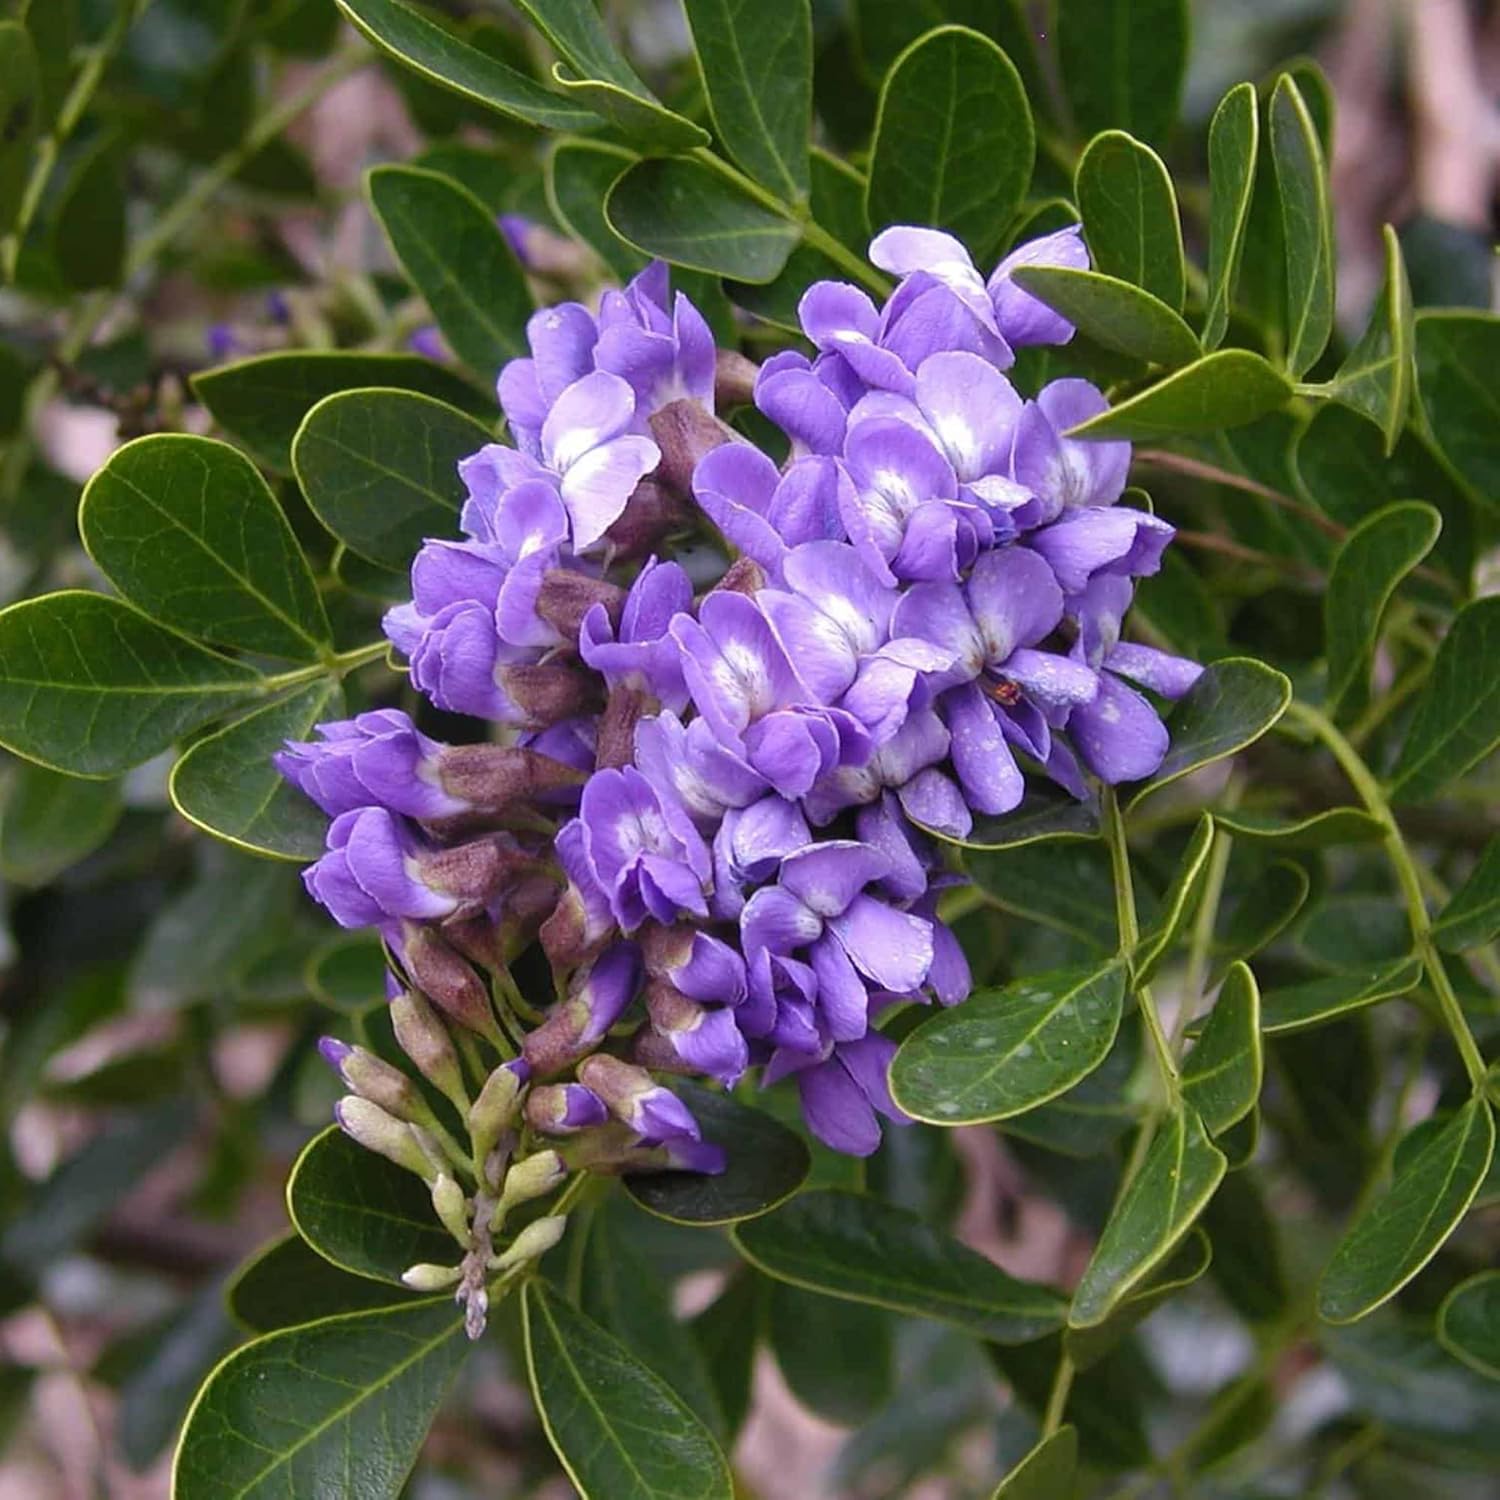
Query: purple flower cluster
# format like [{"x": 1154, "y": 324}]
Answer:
[{"x": 923, "y": 610}]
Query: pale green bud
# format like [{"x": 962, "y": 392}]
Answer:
[
  {"x": 425, "y": 1040},
  {"x": 535, "y": 1240},
  {"x": 452, "y": 1208},
  {"x": 425, "y": 1277}
]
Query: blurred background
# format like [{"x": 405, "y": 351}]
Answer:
[{"x": 159, "y": 994}]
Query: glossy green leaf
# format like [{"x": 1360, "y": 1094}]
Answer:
[
  {"x": 1230, "y": 706},
  {"x": 1113, "y": 313},
  {"x": 620, "y": 1432},
  {"x": 90, "y": 686},
  {"x": 835, "y": 1355},
  {"x": 727, "y": 1332},
  {"x": 1221, "y": 1076},
  {"x": 1177, "y": 905},
  {"x": 1045, "y": 815},
  {"x": 767, "y": 1164},
  {"x": 1233, "y": 145},
  {"x": 1123, "y": 65},
  {"x": 227, "y": 785},
  {"x": 1366, "y": 572},
  {"x": 847, "y": 1245},
  {"x": 1354, "y": 931},
  {"x": 1068, "y": 886},
  {"x": 380, "y": 470},
  {"x": 451, "y": 63},
  {"x": 1319, "y": 1001},
  {"x": 1263, "y": 912},
  {"x": 1306, "y": 225},
  {"x": 954, "y": 142},
  {"x": 1472, "y": 915},
  {"x": 189, "y": 532},
  {"x": 451, "y": 247},
  {"x": 1225, "y": 389},
  {"x": 1091, "y": 1117},
  {"x": 1005, "y": 1051},
  {"x": 363, "y": 1213},
  {"x": 347, "y": 971},
  {"x": 1319, "y": 830},
  {"x": 21, "y": 108},
  {"x": 1456, "y": 361},
  {"x": 757, "y": 71},
  {"x": 287, "y": 1283},
  {"x": 340, "y": 1406},
  {"x": 51, "y": 821},
  {"x": 1178, "y": 1177},
  {"x": 1047, "y": 1472},
  {"x": 1456, "y": 722},
  {"x": 691, "y": 215},
  {"x": 1130, "y": 219},
  {"x": 1246, "y": 1265},
  {"x": 261, "y": 401},
  {"x": 1087, "y": 1346},
  {"x": 580, "y": 174},
  {"x": 1406, "y": 1226},
  {"x": 88, "y": 228},
  {"x": 1468, "y": 1323},
  {"x": 1377, "y": 377}
]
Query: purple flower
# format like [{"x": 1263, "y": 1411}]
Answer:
[
  {"x": 642, "y": 849},
  {"x": 693, "y": 767},
  {"x": 562, "y": 340},
  {"x": 700, "y": 1038},
  {"x": 641, "y": 654},
  {"x": 700, "y": 966},
  {"x": 802, "y": 398},
  {"x": 1063, "y": 472},
  {"x": 599, "y": 993},
  {"x": 762, "y": 512},
  {"x": 379, "y": 759},
  {"x": 665, "y": 356},
  {"x": 372, "y": 873},
  {"x": 750, "y": 844},
  {"x": 564, "y": 1108},
  {"x": 842, "y": 1094},
  {"x": 819, "y": 906},
  {"x": 991, "y": 625},
  {"x": 1023, "y": 319},
  {"x": 1119, "y": 736},
  {"x": 634, "y": 1098}
]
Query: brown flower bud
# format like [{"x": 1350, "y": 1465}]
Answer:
[
  {"x": 565, "y": 597},
  {"x": 492, "y": 777},
  {"x": 548, "y": 692},
  {"x": 684, "y": 432},
  {"x": 625, "y": 707},
  {"x": 425, "y": 1040},
  {"x": 652, "y": 512},
  {"x": 734, "y": 379},
  {"x": 448, "y": 981}
]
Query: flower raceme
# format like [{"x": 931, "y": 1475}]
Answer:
[{"x": 712, "y": 797}]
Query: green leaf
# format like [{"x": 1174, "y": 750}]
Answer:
[
  {"x": 1246, "y": 1250},
  {"x": 1376, "y": 379},
  {"x": 835, "y": 1355},
  {"x": 1123, "y": 65},
  {"x": 287, "y": 1283},
  {"x": 1130, "y": 219},
  {"x": 726, "y": 1332},
  {"x": 451, "y": 247},
  {"x": 1225, "y": 389},
  {"x": 1233, "y": 144},
  {"x": 1456, "y": 362},
  {"x": 954, "y": 143},
  {"x": 1406, "y": 1226},
  {"x": 380, "y": 470},
  {"x": 1306, "y": 225},
  {"x": 1087, "y": 1346},
  {"x": 1178, "y": 1177},
  {"x": 1177, "y": 904},
  {"x": 1319, "y": 830},
  {"x": 1230, "y": 706},
  {"x": 847, "y": 1245},
  {"x": 346, "y": 972},
  {"x": 580, "y": 174},
  {"x": 1366, "y": 572},
  {"x": 189, "y": 532},
  {"x": 1005, "y": 1051},
  {"x": 757, "y": 72},
  {"x": 1468, "y": 1323},
  {"x": 1354, "y": 931},
  {"x": 363, "y": 1213},
  {"x": 1113, "y": 313},
  {"x": 1047, "y": 1472},
  {"x": 88, "y": 227},
  {"x": 691, "y": 215},
  {"x": 767, "y": 1164},
  {"x": 90, "y": 686},
  {"x": 1319, "y": 1001},
  {"x": 1470, "y": 919},
  {"x": 1221, "y": 1076},
  {"x": 1045, "y": 815},
  {"x": 1264, "y": 911},
  {"x": 1093, "y": 1115},
  {"x": 619, "y": 1431},
  {"x": 261, "y": 401},
  {"x": 52, "y": 821},
  {"x": 451, "y": 63},
  {"x": 227, "y": 785},
  {"x": 1068, "y": 886},
  {"x": 340, "y": 1406},
  {"x": 20, "y": 114},
  {"x": 1456, "y": 722}
]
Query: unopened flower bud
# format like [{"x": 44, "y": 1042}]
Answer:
[
  {"x": 734, "y": 379},
  {"x": 383, "y": 1134},
  {"x": 534, "y": 1241},
  {"x": 425, "y": 1277},
  {"x": 452, "y": 1208},
  {"x": 562, "y": 1108},
  {"x": 424, "y": 1039},
  {"x": 652, "y": 512},
  {"x": 372, "y": 1078},
  {"x": 702, "y": 967},
  {"x": 698, "y": 1038},
  {"x": 625, "y": 707},
  {"x": 531, "y": 1178},
  {"x": 448, "y": 981},
  {"x": 492, "y": 1112},
  {"x": 566, "y": 596},
  {"x": 598, "y": 996},
  {"x": 492, "y": 777},
  {"x": 685, "y": 431},
  {"x": 547, "y": 692},
  {"x": 744, "y": 576},
  {"x": 637, "y": 1100}
]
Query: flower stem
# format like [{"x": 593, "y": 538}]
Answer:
[
  {"x": 1376, "y": 804},
  {"x": 1057, "y": 1398},
  {"x": 337, "y": 664}
]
